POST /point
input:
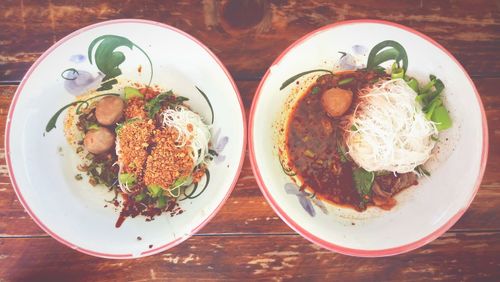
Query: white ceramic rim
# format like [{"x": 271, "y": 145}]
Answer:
[
  {"x": 337, "y": 248},
  {"x": 13, "y": 106}
]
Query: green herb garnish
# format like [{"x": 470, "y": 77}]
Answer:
[
  {"x": 154, "y": 105},
  {"x": 363, "y": 180},
  {"x": 127, "y": 178},
  {"x": 155, "y": 190},
  {"x": 139, "y": 197},
  {"x": 429, "y": 97},
  {"x": 161, "y": 203},
  {"x": 442, "y": 118},
  {"x": 342, "y": 152}
]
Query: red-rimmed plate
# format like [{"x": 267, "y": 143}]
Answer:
[
  {"x": 43, "y": 166},
  {"x": 423, "y": 212}
]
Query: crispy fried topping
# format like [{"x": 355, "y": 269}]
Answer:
[
  {"x": 167, "y": 162},
  {"x": 135, "y": 108},
  {"x": 133, "y": 139}
]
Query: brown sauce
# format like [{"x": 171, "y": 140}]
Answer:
[{"x": 313, "y": 139}]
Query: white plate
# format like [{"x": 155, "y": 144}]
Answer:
[
  {"x": 423, "y": 212},
  {"x": 42, "y": 166}
]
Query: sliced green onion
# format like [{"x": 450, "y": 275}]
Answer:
[
  {"x": 161, "y": 201},
  {"x": 413, "y": 83},
  {"x": 397, "y": 73},
  {"x": 442, "y": 118},
  {"x": 139, "y": 197},
  {"x": 127, "y": 178},
  {"x": 345, "y": 81},
  {"x": 155, "y": 190}
]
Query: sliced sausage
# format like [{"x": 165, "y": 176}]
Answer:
[
  {"x": 336, "y": 101},
  {"x": 98, "y": 141},
  {"x": 109, "y": 110}
]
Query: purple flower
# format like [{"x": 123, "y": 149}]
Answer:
[
  {"x": 219, "y": 145},
  {"x": 79, "y": 81},
  {"x": 305, "y": 199}
]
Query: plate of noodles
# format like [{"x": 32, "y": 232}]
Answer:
[
  {"x": 368, "y": 138},
  {"x": 125, "y": 138}
]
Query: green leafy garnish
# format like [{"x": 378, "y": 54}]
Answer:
[
  {"x": 442, "y": 118},
  {"x": 385, "y": 51},
  {"x": 429, "y": 97},
  {"x": 315, "y": 90},
  {"x": 108, "y": 60},
  {"x": 297, "y": 76},
  {"x": 342, "y": 152},
  {"x": 155, "y": 190},
  {"x": 161, "y": 203},
  {"x": 363, "y": 180},
  {"x": 127, "y": 178},
  {"x": 413, "y": 83},
  {"x": 154, "y": 105},
  {"x": 53, "y": 120}
]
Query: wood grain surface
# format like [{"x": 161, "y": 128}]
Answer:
[{"x": 247, "y": 239}]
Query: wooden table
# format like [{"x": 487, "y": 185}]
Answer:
[{"x": 247, "y": 239}]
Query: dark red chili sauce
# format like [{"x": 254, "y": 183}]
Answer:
[{"x": 313, "y": 140}]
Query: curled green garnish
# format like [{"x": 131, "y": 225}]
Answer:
[{"x": 385, "y": 51}]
